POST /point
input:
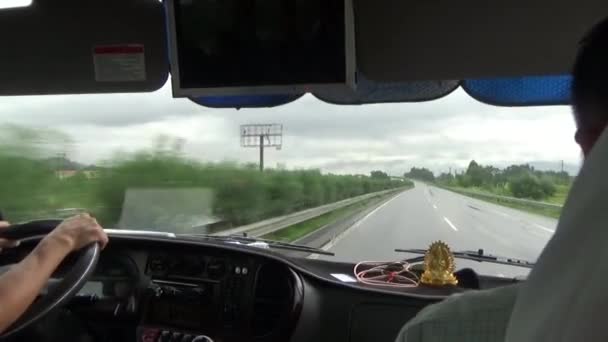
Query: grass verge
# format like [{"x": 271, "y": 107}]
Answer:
[
  {"x": 547, "y": 211},
  {"x": 302, "y": 229}
]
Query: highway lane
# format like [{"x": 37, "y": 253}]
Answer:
[{"x": 424, "y": 214}]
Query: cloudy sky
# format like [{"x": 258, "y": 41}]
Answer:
[{"x": 440, "y": 134}]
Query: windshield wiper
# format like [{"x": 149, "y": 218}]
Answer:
[
  {"x": 260, "y": 243},
  {"x": 479, "y": 256}
]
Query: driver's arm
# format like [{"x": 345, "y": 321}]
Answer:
[{"x": 23, "y": 282}]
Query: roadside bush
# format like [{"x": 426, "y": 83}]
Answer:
[
  {"x": 242, "y": 195},
  {"x": 527, "y": 186},
  {"x": 163, "y": 181},
  {"x": 521, "y": 181},
  {"x": 30, "y": 189},
  {"x": 548, "y": 187}
]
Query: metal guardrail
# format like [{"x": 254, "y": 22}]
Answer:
[
  {"x": 260, "y": 228},
  {"x": 499, "y": 198},
  {"x": 328, "y": 233},
  {"x": 277, "y": 223}
]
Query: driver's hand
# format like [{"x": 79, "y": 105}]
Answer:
[
  {"x": 4, "y": 243},
  {"x": 79, "y": 231}
]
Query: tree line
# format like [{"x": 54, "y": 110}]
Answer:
[
  {"x": 31, "y": 189},
  {"x": 242, "y": 194},
  {"x": 522, "y": 181}
]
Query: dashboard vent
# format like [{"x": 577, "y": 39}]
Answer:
[{"x": 273, "y": 303}]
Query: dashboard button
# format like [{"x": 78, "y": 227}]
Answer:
[
  {"x": 149, "y": 335},
  {"x": 237, "y": 270},
  {"x": 244, "y": 271},
  {"x": 165, "y": 336},
  {"x": 216, "y": 268},
  {"x": 158, "y": 265},
  {"x": 176, "y": 337}
]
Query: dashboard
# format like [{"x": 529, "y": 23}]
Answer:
[
  {"x": 217, "y": 295},
  {"x": 188, "y": 290},
  {"x": 182, "y": 293}
]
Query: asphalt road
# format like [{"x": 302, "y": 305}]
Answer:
[{"x": 417, "y": 217}]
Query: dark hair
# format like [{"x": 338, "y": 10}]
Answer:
[{"x": 590, "y": 78}]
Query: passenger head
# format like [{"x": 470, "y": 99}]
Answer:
[{"x": 590, "y": 87}]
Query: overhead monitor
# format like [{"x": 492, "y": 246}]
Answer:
[{"x": 237, "y": 47}]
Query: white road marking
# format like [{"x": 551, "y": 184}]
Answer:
[
  {"x": 499, "y": 213},
  {"x": 498, "y": 237},
  {"x": 483, "y": 207},
  {"x": 340, "y": 236},
  {"x": 434, "y": 207},
  {"x": 544, "y": 228},
  {"x": 374, "y": 211},
  {"x": 450, "y": 223},
  {"x": 518, "y": 220}
]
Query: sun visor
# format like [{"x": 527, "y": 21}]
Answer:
[
  {"x": 245, "y": 101},
  {"x": 74, "y": 46},
  {"x": 382, "y": 92},
  {"x": 400, "y": 41},
  {"x": 367, "y": 92},
  {"x": 521, "y": 91}
]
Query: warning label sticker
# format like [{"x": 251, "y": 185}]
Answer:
[
  {"x": 119, "y": 63},
  {"x": 345, "y": 278}
]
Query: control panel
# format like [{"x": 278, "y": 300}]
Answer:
[
  {"x": 149, "y": 334},
  {"x": 198, "y": 297}
]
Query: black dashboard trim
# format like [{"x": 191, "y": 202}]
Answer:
[
  {"x": 297, "y": 303},
  {"x": 273, "y": 256}
]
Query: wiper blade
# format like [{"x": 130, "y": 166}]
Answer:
[
  {"x": 479, "y": 256},
  {"x": 291, "y": 246},
  {"x": 261, "y": 243}
]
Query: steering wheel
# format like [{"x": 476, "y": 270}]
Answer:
[{"x": 61, "y": 292}]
